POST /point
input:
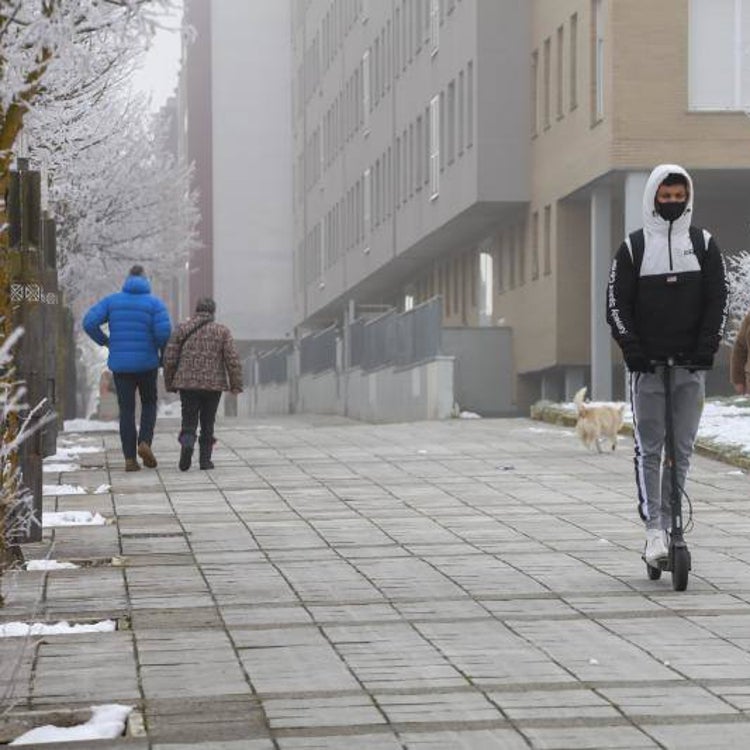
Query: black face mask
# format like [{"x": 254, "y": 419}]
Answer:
[{"x": 671, "y": 211}]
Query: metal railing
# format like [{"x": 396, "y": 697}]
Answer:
[
  {"x": 317, "y": 351},
  {"x": 397, "y": 339},
  {"x": 273, "y": 365}
]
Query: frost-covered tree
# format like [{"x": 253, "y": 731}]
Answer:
[
  {"x": 738, "y": 275},
  {"x": 58, "y": 47}
]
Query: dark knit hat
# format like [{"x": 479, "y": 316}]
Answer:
[
  {"x": 205, "y": 305},
  {"x": 137, "y": 270}
]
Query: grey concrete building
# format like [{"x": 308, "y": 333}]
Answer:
[
  {"x": 237, "y": 111},
  {"x": 495, "y": 151}
]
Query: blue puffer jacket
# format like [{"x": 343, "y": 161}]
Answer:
[{"x": 139, "y": 326}]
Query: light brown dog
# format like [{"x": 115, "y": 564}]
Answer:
[{"x": 597, "y": 421}]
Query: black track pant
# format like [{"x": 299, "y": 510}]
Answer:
[{"x": 199, "y": 406}]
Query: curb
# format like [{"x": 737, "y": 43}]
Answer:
[{"x": 544, "y": 411}]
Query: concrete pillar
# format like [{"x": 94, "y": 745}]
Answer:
[
  {"x": 635, "y": 184},
  {"x": 601, "y": 258},
  {"x": 575, "y": 378}
]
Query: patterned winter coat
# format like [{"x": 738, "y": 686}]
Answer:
[{"x": 204, "y": 360}]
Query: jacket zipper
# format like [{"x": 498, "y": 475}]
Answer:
[{"x": 669, "y": 243}]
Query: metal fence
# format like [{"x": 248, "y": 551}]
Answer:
[
  {"x": 317, "y": 351},
  {"x": 395, "y": 339},
  {"x": 273, "y": 365}
]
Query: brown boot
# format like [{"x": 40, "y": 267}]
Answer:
[
  {"x": 147, "y": 455},
  {"x": 131, "y": 464}
]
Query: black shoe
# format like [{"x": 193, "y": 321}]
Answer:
[
  {"x": 207, "y": 464},
  {"x": 186, "y": 457}
]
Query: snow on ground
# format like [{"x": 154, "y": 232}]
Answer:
[
  {"x": 63, "y": 489},
  {"x": 72, "y": 518},
  {"x": 19, "y": 629},
  {"x": 49, "y": 565},
  {"x": 52, "y": 468},
  {"x": 102, "y": 489},
  {"x": 106, "y": 722},
  {"x": 725, "y": 422},
  {"x": 89, "y": 425}
]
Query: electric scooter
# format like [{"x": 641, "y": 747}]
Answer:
[{"x": 678, "y": 562}]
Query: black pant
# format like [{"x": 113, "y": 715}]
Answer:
[
  {"x": 126, "y": 384},
  {"x": 199, "y": 406}
]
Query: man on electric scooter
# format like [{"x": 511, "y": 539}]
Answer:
[{"x": 666, "y": 298}]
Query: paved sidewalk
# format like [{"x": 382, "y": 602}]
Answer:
[{"x": 331, "y": 585}]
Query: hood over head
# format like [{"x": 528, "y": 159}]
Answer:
[
  {"x": 652, "y": 221},
  {"x": 136, "y": 285}
]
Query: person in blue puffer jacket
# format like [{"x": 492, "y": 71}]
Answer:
[{"x": 139, "y": 328}]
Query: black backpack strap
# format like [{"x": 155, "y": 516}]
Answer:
[
  {"x": 637, "y": 247},
  {"x": 699, "y": 244}
]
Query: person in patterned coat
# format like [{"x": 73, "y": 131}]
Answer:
[{"x": 201, "y": 362}]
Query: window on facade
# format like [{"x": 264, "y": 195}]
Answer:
[
  {"x": 547, "y": 240},
  {"x": 573, "y": 62},
  {"x": 419, "y": 152},
  {"x": 412, "y": 160},
  {"x": 426, "y": 148},
  {"x": 366, "y": 106},
  {"x": 442, "y": 130},
  {"x": 510, "y": 247},
  {"x": 560, "y": 74},
  {"x": 367, "y": 205},
  {"x": 434, "y": 26},
  {"x": 461, "y": 113},
  {"x": 397, "y": 41},
  {"x": 521, "y": 248},
  {"x": 546, "y": 72},
  {"x": 498, "y": 265},
  {"x": 535, "y": 245},
  {"x": 719, "y": 64},
  {"x": 534, "y": 93},
  {"x": 470, "y": 105},
  {"x": 458, "y": 292},
  {"x": 451, "y": 115},
  {"x": 597, "y": 59},
  {"x": 434, "y": 147},
  {"x": 486, "y": 287}
]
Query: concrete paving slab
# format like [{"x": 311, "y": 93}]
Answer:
[{"x": 335, "y": 585}]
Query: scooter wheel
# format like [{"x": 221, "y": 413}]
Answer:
[
  {"x": 654, "y": 574},
  {"x": 680, "y": 568}
]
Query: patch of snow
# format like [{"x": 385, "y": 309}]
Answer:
[
  {"x": 468, "y": 415},
  {"x": 49, "y": 565},
  {"x": 89, "y": 425},
  {"x": 102, "y": 489},
  {"x": 106, "y": 722},
  {"x": 72, "y": 518},
  {"x": 23, "y": 629},
  {"x": 63, "y": 489},
  {"x": 55, "y": 468}
]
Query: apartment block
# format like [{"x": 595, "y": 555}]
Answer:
[{"x": 494, "y": 152}]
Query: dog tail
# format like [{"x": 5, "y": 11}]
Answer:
[{"x": 578, "y": 398}]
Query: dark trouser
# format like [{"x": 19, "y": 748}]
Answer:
[
  {"x": 200, "y": 406},
  {"x": 126, "y": 384},
  {"x": 651, "y": 474}
]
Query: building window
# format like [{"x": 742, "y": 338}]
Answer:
[
  {"x": 442, "y": 130},
  {"x": 573, "y": 70},
  {"x": 451, "y": 134},
  {"x": 534, "y": 93},
  {"x": 458, "y": 292},
  {"x": 560, "y": 75},
  {"x": 547, "y": 62},
  {"x": 434, "y": 26},
  {"x": 461, "y": 113},
  {"x": 499, "y": 261},
  {"x": 434, "y": 147},
  {"x": 412, "y": 160},
  {"x": 486, "y": 290},
  {"x": 535, "y": 245},
  {"x": 521, "y": 247},
  {"x": 470, "y": 105},
  {"x": 419, "y": 152},
  {"x": 547, "y": 240},
  {"x": 366, "y": 81},
  {"x": 367, "y": 206},
  {"x": 510, "y": 246},
  {"x": 597, "y": 60},
  {"x": 719, "y": 64}
]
